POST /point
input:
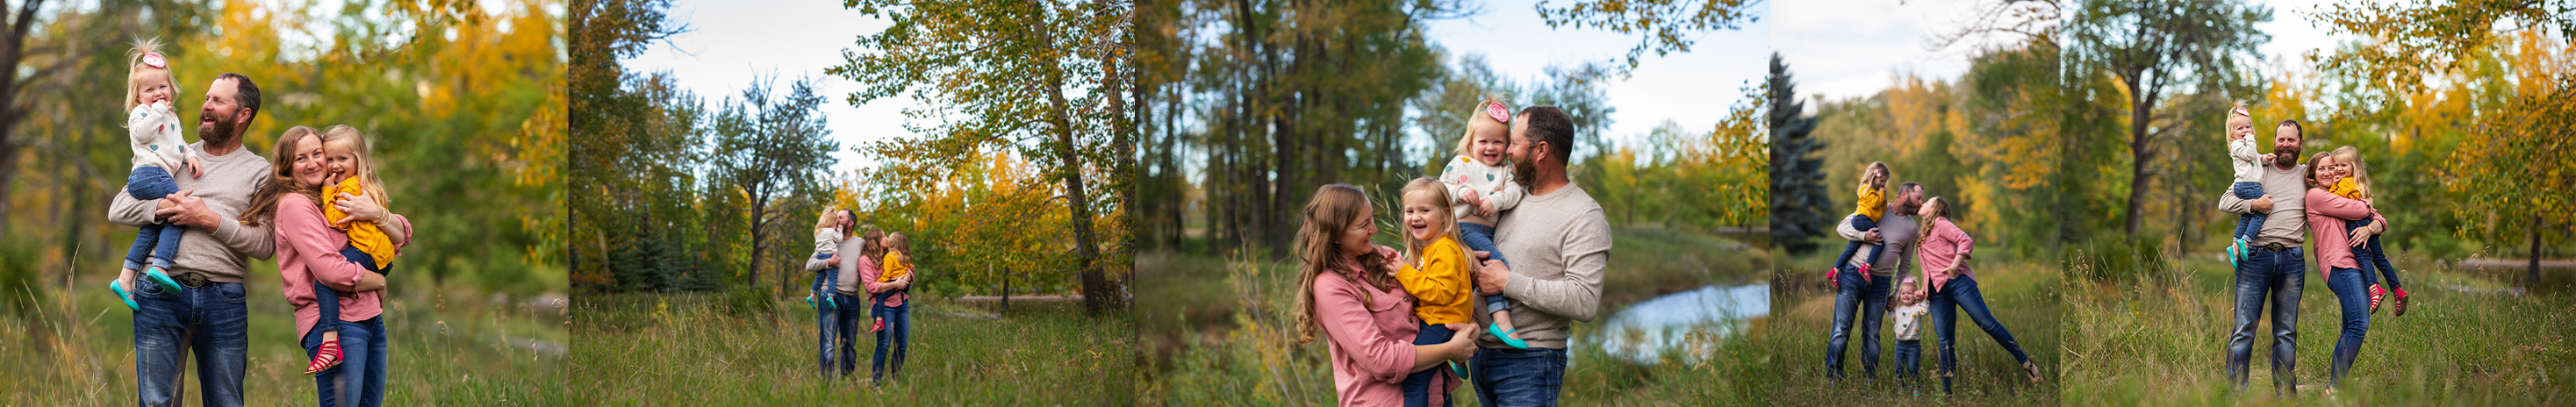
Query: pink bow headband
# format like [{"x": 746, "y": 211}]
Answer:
[
  {"x": 2240, "y": 111},
  {"x": 1499, "y": 113},
  {"x": 154, "y": 59}
]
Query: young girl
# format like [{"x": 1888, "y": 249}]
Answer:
[
  {"x": 159, "y": 148},
  {"x": 1435, "y": 269},
  {"x": 1480, "y": 182},
  {"x": 1873, "y": 202},
  {"x": 827, "y": 241},
  {"x": 898, "y": 264},
  {"x": 348, "y": 169},
  {"x": 2369, "y": 255},
  {"x": 2246, "y": 158},
  {"x": 1907, "y": 312}
]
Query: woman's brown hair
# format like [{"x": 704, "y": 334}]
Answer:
[
  {"x": 281, "y": 179},
  {"x": 1923, "y": 224},
  {"x": 1328, "y": 215}
]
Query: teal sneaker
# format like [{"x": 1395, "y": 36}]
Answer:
[
  {"x": 1506, "y": 337},
  {"x": 164, "y": 280},
  {"x": 120, "y": 294}
]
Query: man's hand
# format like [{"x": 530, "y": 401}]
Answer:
[
  {"x": 835, "y": 261},
  {"x": 188, "y": 211},
  {"x": 1492, "y": 276},
  {"x": 1871, "y": 236},
  {"x": 2263, "y": 205}
]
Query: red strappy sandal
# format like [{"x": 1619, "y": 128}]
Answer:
[{"x": 324, "y": 357}]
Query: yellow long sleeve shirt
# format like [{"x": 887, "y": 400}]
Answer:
[
  {"x": 365, "y": 235},
  {"x": 1873, "y": 202},
  {"x": 1443, "y": 284},
  {"x": 896, "y": 266}
]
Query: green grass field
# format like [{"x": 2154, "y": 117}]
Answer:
[
  {"x": 450, "y": 346},
  {"x": 2021, "y": 293},
  {"x": 1222, "y": 333},
  {"x": 2156, "y": 334},
  {"x": 690, "y": 349}
]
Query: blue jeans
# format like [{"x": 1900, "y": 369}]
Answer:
[
  {"x": 2371, "y": 257},
  {"x": 1481, "y": 238},
  {"x": 2250, "y": 223},
  {"x": 1909, "y": 361},
  {"x": 159, "y": 242},
  {"x": 361, "y": 373},
  {"x": 2268, "y": 277},
  {"x": 1417, "y": 386},
  {"x": 1517, "y": 377},
  {"x": 826, "y": 325},
  {"x": 897, "y": 335},
  {"x": 328, "y": 300},
  {"x": 848, "y": 324},
  {"x": 2354, "y": 297},
  {"x": 1869, "y": 299},
  {"x": 1962, "y": 292},
  {"x": 210, "y": 321},
  {"x": 1863, "y": 223}
]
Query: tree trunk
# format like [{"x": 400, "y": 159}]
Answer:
[
  {"x": 2533, "y": 285},
  {"x": 1096, "y": 289},
  {"x": 2141, "y": 111}
]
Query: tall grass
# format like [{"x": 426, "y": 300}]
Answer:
[
  {"x": 690, "y": 349},
  {"x": 2152, "y": 329},
  {"x": 447, "y": 346},
  {"x": 2021, "y": 293}
]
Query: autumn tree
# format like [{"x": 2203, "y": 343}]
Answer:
[
  {"x": 767, "y": 146},
  {"x": 2158, "y": 48},
  {"x": 1023, "y": 75},
  {"x": 1667, "y": 26}
]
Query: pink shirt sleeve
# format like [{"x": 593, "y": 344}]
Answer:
[
  {"x": 869, "y": 272},
  {"x": 2327, "y": 203},
  {"x": 1350, "y": 327}
]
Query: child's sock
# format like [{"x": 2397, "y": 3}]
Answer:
[{"x": 326, "y": 355}]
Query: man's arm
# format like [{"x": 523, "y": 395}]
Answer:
[
  {"x": 1587, "y": 250},
  {"x": 2229, "y": 203},
  {"x": 124, "y": 210},
  {"x": 1845, "y": 229}
]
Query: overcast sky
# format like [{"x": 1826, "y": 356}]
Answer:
[
  {"x": 733, "y": 42},
  {"x": 1851, "y": 48},
  {"x": 1693, "y": 89}
]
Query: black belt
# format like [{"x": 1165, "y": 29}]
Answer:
[
  {"x": 193, "y": 280},
  {"x": 2277, "y": 247}
]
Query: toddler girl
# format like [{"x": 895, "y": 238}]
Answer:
[
  {"x": 1873, "y": 202},
  {"x": 159, "y": 149},
  {"x": 898, "y": 264},
  {"x": 2246, "y": 159},
  {"x": 348, "y": 169},
  {"x": 827, "y": 241},
  {"x": 1435, "y": 269},
  {"x": 1907, "y": 312},
  {"x": 2369, "y": 255},
  {"x": 1480, "y": 183}
]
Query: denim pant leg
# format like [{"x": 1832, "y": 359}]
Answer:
[
  {"x": 1963, "y": 291},
  {"x": 826, "y": 327},
  {"x": 2271, "y": 279},
  {"x": 890, "y": 344},
  {"x": 144, "y": 184},
  {"x": 2248, "y": 224},
  {"x": 1517, "y": 377},
  {"x": 2355, "y": 301},
  {"x": 1869, "y": 300},
  {"x": 1418, "y": 386},
  {"x": 899, "y": 321},
  {"x": 1909, "y": 361},
  {"x": 849, "y": 314},
  {"x": 210, "y": 323},
  {"x": 1861, "y": 223},
  {"x": 359, "y": 380},
  {"x": 1481, "y": 238}
]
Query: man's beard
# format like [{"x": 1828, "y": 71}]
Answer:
[
  {"x": 1526, "y": 175},
  {"x": 221, "y": 133},
  {"x": 2285, "y": 157}
]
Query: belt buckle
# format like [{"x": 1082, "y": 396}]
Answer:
[
  {"x": 193, "y": 280},
  {"x": 2273, "y": 247}
]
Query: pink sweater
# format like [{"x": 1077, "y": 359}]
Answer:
[
  {"x": 1371, "y": 343},
  {"x": 2326, "y": 216},
  {"x": 1943, "y": 249},
  {"x": 308, "y": 249}
]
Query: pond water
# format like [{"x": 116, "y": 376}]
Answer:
[{"x": 1688, "y": 322}]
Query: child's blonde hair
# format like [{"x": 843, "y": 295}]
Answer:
[
  {"x": 360, "y": 165},
  {"x": 1478, "y": 119},
  {"x": 1874, "y": 176},
  {"x": 827, "y": 222},
  {"x": 2360, "y": 177},
  {"x": 899, "y": 244},
  {"x": 139, "y": 71},
  {"x": 1447, "y": 225},
  {"x": 2236, "y": 115}
]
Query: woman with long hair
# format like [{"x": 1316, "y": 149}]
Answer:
[{"x": 1943, "y": 250}]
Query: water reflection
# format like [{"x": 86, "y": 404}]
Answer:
[{"x": 1688, "y": 322}]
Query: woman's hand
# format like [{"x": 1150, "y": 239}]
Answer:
[
  {"x": 1464, "y": 341},
  {"x": 358, "y": 209},
  {"x": 2361, "y": 235}
]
